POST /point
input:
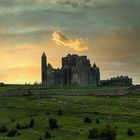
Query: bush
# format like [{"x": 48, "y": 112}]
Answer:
[
  {"x": 97, "y": 121},
  {"x": 33, "y": 115},
  {"x": 18, "y": 134},
  {"x": 18, "y": 126},
  {"x": 3, "y": 129},
  {"x": 29, "y": 93},
  {"x": 12, "y": 120},
  {"x": 12, "y": 133},
  {"x": 96, "y": 113},
  {"x": 108, "y": 133},
  {"x": 47, "y": 113},
  {"x": 130, "y": 132},
  {"x": 53, "y": 124},
  {"x": 39, "y": 138},
  {"x": 32, "y": 123},
  {"x": 60, "y": 112},
  {"x": 93, "y": 133},
  {"x": 47, "y": 134},
  {"x": 87, "y": 120}
]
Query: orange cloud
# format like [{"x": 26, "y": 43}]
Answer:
[{"x": 77, "y": 44}]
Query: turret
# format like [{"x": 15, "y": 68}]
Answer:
[
  {"x": 44, "y": 68},
  {"x": 94, "y": 65}
]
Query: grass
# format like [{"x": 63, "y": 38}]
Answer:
[
  {"x": 121, "y": 112},
  {"x": 7, "y": 88}
]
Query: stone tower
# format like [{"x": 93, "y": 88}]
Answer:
[{"x": 44, "y": 68}]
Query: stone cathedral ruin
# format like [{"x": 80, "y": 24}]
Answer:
[{"x": 76, "y": 70}]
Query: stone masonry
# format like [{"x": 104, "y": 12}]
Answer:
[{"x": 76, "y": 71}]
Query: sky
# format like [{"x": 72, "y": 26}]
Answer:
[{"x": 107, "y": 31}]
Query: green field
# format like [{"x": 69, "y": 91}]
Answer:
[
  {"x": 121, "y": 112},
  {"x": 41, "y": 87}
]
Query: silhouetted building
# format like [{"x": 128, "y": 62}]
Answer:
[
  {"x": 118, "y": 81},
  {"x": 76, "y": 70}
]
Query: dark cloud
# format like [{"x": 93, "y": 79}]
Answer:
[{"x": 21, "y": 14}]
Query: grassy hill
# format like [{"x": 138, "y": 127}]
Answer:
[
  {"x": 41, "y": 87},
  {"x": 121, "y": 112}
]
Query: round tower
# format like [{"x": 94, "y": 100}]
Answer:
[{"x": 44, "y": 69}]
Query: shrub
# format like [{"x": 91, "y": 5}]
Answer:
[
  {"x": 47, "y": 134},
  {"x": 96, "y": 113},
  {"x": 33, "y": 115},
  {"x": 39, "y": 138},
  {"x": 29, "y": 93},
  {"x": 12, "y": 133},
  {"x": 93, "y": 133},
  {"x": 12, "y": 120},
  {"x": 60, "y": 112},
  {"x": 108, "y": 133},
  {"x": 87, "y": 120},
  {"x": 18, "y": 126},
  {"x": 32, "y": 123},
  {"x": 97, "y": 121},
  {"x": 47, "y": 113},
  {"x": 130, "y": 132},
  {"x": 53, "y": 123},
  {"x": 18, "y": 134},
  {"x": 3, "y": 129}
]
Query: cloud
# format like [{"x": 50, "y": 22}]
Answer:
[{"x": 62, "y": 40}]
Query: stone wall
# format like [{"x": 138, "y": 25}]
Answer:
[{"x": 97, "y": 92}]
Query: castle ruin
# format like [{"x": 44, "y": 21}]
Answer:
[{"x": 76, "y": 71}]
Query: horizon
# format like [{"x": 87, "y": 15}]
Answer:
[{"x": 107, "y": 32}]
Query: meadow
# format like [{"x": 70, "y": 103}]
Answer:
[
  {"x": 41, "y": 87},
  {"x": 121, "y": 112}
]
